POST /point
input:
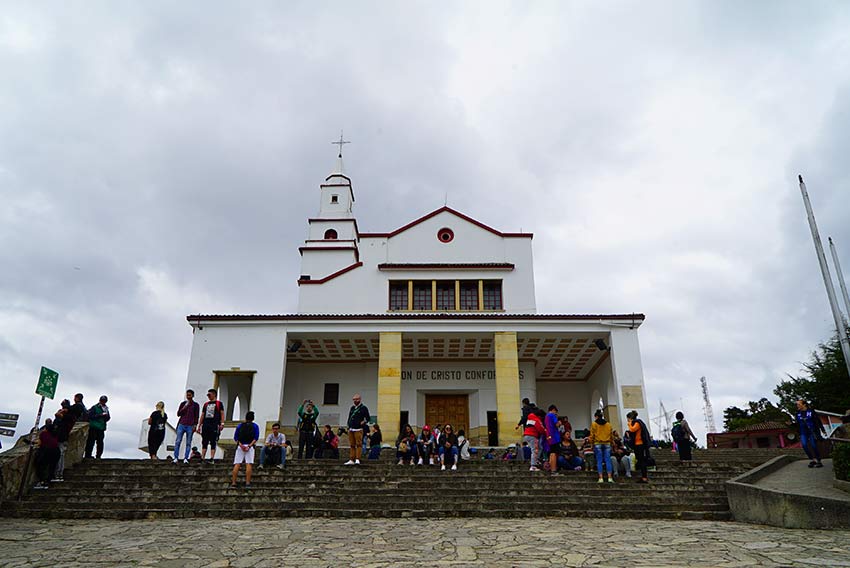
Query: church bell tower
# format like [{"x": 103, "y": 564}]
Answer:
[{"x": 332, "y": 238}]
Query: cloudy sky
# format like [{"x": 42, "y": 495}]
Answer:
[{"x": 158, "y": 160}]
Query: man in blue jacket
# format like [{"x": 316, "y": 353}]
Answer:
[{"x": 358, "y": 419}]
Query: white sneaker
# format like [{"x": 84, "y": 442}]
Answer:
[
  {"x": 454, "y": 467},
  {"x": 431, "y": 461},
  {"x": 185, "y": 461},
  {"x": 420, "y": 462},
  {"x": 356, "y": 462},
  {"x": 400, "y": 462},
  {"x": 349, "y": 462},
  {"x": 174, "y": 460},
  {"x": 533, "y": 468},
  {"x": 443, "y": 468}
]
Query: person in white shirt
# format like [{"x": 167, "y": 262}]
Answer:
[{"x": 274, "y": 449}]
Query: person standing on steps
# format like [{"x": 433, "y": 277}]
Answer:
[
  {"x": 308, "y": 420},
  {"x": 553, "y": 438},
  {"x": 47, "y": 455},
  {"x": 188, "y": 414},
  {"x": 527, "y": 407},
  {"x": 532, "y": 433},
  {"x": 358, "y": 419},
  {"x": 211, "y": 424},
  {"x": 98, "y": 417},
  {"x": 156, "y": 429},
  {"x": 246, "y": 436},
  {"x": 601, "y": 438},
  {"x": 63, "y": 421},
  {"x": 640, "y": 442},
  {"x": 811, "y": 430},
  {"x": 683, "y": 435}
]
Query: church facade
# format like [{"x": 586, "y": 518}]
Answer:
[{"x": 432, "y": 322}]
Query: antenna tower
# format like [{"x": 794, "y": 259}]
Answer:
[
  {"x": 707, "y": 410},
  {"x": 662, "y": 421}
]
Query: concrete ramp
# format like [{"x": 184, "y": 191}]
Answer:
[{"x": 785, "y": 492}]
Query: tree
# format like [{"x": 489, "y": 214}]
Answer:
[
  {"x": 759, "y": 411},
  {"x": 825, "y": 385}
]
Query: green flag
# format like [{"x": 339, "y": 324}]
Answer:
[{"x": 47, "y": 382}]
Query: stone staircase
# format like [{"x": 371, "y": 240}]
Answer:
[{"x": 143, "y": 489}]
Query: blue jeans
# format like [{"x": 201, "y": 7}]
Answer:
[
  {"x": 453, "y": 452},
  {"x": 602, "y": 453},
  {"x": 374, "y": 452},
  {"x": 183, "y": 429},
  {"x": 810, "y": 445},
  {"x": 282, "y": 455},
  {"x": 570, "y": 463}
]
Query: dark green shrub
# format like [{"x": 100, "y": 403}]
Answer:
[{"x": 841, "y": 461}]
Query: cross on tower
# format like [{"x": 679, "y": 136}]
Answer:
[{"x": 340, "y": 143}]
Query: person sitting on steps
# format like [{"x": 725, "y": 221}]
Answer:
[
  {"x": 448, "y": 448},
  {"x": 273, "y": 450},
  {"x": 405, "y": 445},
  {"x": 570, "y": 458},
  {"x": 330, "y": 443},
  {"x": 620, "y": 455},
  {"x": 425, "y": 446},
  {"x": 375, "y": 441}
]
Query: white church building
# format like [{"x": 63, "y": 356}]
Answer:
[{"x": 432, "y": 321}]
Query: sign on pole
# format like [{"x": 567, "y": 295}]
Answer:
[
  {"x": 9, "y": 423},
  {"x": 7, "y": 416},
  {"x": 6, "y": 432},
  {"x": 47, "y": 381}
]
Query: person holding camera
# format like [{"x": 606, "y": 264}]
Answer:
[{"x": 308, "y": 416}]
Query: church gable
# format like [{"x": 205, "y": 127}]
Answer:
[{"x": 446, "y": 236}]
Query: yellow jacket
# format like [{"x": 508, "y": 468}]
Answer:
[{"x": 600, "y": 434}]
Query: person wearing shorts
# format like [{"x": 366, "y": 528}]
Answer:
[
  {"x": 246, "y": 436},
  {"x": 210, "y": 424}
]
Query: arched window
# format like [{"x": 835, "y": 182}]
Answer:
[{"x": 330, "y": 235}]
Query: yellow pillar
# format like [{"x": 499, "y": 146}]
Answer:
[
  {"x": 389, "y": 384},
  {"x": 507, "y": 386}
]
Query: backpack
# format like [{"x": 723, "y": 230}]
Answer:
[
  {"x": 677, "y": 432},
  {"x": 335, "y": 442}
]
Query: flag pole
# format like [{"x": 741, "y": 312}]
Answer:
[
  {"x": 841, "y": 283},
  {"x": 31, "y": 450},
  {"x": 827, "y": 280}
]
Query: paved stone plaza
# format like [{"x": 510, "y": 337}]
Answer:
[{"x": 391, "y": 542}]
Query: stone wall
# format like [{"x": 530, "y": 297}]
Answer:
[{"x": 13, "y": 462}]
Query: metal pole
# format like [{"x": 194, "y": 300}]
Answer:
[
  {"x": 827, "y": 280},
  {"x": 840, "y": 274},
  {"x": 31, "y": 449}
]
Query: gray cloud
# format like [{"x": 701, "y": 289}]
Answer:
[{"x": 157, "y": 160}]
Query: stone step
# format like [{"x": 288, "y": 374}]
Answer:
[
  {"x": 619, "y": 491},
  {"x": 322, "y": 512}
]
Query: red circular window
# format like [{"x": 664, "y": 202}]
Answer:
[{"x": 445, "y": 235}]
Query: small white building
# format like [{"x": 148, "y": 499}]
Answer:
[{"x": 432, "y": 322}]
